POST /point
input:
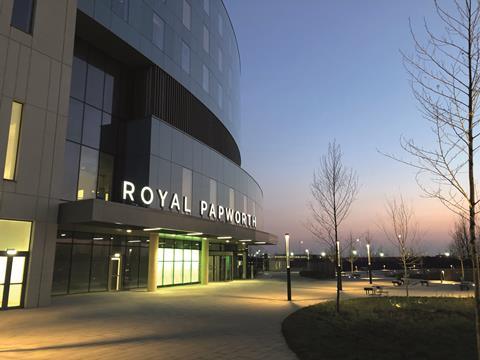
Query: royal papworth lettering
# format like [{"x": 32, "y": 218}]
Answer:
[{"x": 175, "y": 202}]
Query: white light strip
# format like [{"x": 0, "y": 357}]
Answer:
[
  {"x": 260, "y": 242},
  {"x": 97, "y": 238},
  {"x": 246, "y": 240},
  {"x": 194, "y": 234},
  {"x": 134, "y": 241},
  {"x": 152, "y": 229},
  {"x": 224, "y": 237}
]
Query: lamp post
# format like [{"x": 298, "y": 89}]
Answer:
[
  {"x": 339, "y": 267},
  {"x": 287, "y": 252},
  {"x": 369, "y": 263}
]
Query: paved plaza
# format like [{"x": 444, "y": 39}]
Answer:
[{"x": 235, "y": 320}]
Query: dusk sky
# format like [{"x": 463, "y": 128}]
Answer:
[{"x": 314, "y": 71}]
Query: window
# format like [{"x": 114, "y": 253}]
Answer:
[
  {"x": 75, "y": 120},
  {"x": 206, "y": 6},
  {"x": 22, "y": 15},
  {"x": 15, "y": 235},
  {"x": 213, "y": 191},
  {"x": 220, "y": 59},
  {"x": 220, "y": 25},
  {"x": 205, "y": 79},
  {"x": 13, "y": 140},
  {"x": 70, "y": 171},
  {"x": 187, "y": 15},
  {"x": 92, "y": 121},
  {"x": 231, "y": 198},
  {"x": 187, "y": 186},
  {"x": 158, "y": 31},
  {"x": 220, "y": 96},
  {"x": 185, "y": 57},
  {"x": 105, "y": 177},
  {"x": 120, "y": 7},
  {"x": 206, "y": 39},
  {"x": 87, "y": 177}
]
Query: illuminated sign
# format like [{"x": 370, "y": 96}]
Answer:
[{"x": 174, "y": 202}]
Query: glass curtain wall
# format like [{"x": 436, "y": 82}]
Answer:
[
  {"x": 178, "y": 262},
  {"x": 97, "y": 105},
  {"x": 82, "y": 262}
]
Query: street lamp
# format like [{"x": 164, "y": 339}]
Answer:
[
  {"x": 354, "y": 252},
  {"x": 339, "y": 267},
  {"x": 308, "y": 254},
  {"x": 323, "y": 254},
  {"x": 369, "y": 263},
  {"x": 287, "y": 252}
]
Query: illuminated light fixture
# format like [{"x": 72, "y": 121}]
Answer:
[
  {"x": 63, "y": 235},
  {"x": 227, "y": 241},
  {"x": 111, "y": 238},
  {"x": 97, "y": 238},
  {"x": 116, "y": 255},
  {"x": 152, "y": 229},
  {"x": 224, "y": 237},
  {"x": 11, "y": 252},
  {"x": 246, "y": 240},
  {"x": 134, "y": 241},
  {"x": 204, "y": 238},
  {"x": 128, "y": 230},
  {"x": 118, "y": 223},
  {"x": 195, "y": 234},
  {"x": 260, "y": 242}
]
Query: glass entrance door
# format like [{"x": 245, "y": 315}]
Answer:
[
  {"x": 12, "y": 279},
  {"x": 115, "y": 273}
]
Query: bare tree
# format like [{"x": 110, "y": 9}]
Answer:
[
  {"x": 445, "y": 75},
  {"x": 334, "y": 189},
  {"x": 460, "y": 247},
  {"x": 401, "y": 230}
]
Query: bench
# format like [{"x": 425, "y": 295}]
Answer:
[
  {"x": 424, "y": 282},
  {"x": 369, "y": 291}
]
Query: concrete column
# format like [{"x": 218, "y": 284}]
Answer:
[
  {"x": 152, "y": 262},
  {"x": 204, "y": 262},
  {"x": 244, "y": 265}
]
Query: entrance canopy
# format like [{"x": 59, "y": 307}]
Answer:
[{"x": 107, "y": 214}]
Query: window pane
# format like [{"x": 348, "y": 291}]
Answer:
[
  {"x": 187, "y": 272},
  {"x": 87, "y": 178},
  {"x": 75, "y": 119},
  {"x": 143, "y": 272},
  {"x": 206, "y": 79},
  {"x": 105, "y": 177},
  {"x": 61, "y": 269},
  {"x": 18, "y": 266},
  {"x": 100, "y": 263},
  {"x": 178, "y": 272},
  {"x": 158, "y": 31},
  {"x": 13, "y": 139},
  {"x": 120, "y": 7},
  {"x": 95, "y": 82},
  {"x": 92, "y": 120},
  {"x": 206, "y": 39},
  {"x": 15, "y": 235},
  {"x": 108, "y": 93},
  {"x": 168, "y": 273},
  {"x": 22, "y": 15},
  {"x": 80, "y": 268},
  {"x": 15, "y": 295},
  {"x": 185, "y": 57},
  {"x": 3, "y": 270},
  {"x": 206, "y": 6},
  {"x": 70, "y": 171},
  {"x": 187, "y": 14},
  {"x": 79, "y": 76},
  {"x": 195, "y": 271}
]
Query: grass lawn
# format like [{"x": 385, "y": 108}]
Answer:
[{"x": 384, "y": 328}]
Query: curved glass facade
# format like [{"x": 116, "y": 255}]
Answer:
[{"x": 192, "y": 40}]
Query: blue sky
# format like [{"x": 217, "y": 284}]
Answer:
[{"x": 314, "y": 71}]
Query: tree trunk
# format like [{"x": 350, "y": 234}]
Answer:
[
  {"x": 339, "y": 273},
  {"x": 471, "y": 181},
  {"x": 405, "y": 276},
  {"x": 351, "y": 266},
  {"x": 463, "y": 270}
]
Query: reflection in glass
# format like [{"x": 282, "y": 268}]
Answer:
[
  {"x": 87, "y": 178},
  {"x": 14, "y": 295},
  {"x": 80, "y": 268},
  {"x": 95, "y": 82},
  {"x": 92, "y": 121},
  {"x": 70, "y": 171},
  {"x": 105, "y": 177}
]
